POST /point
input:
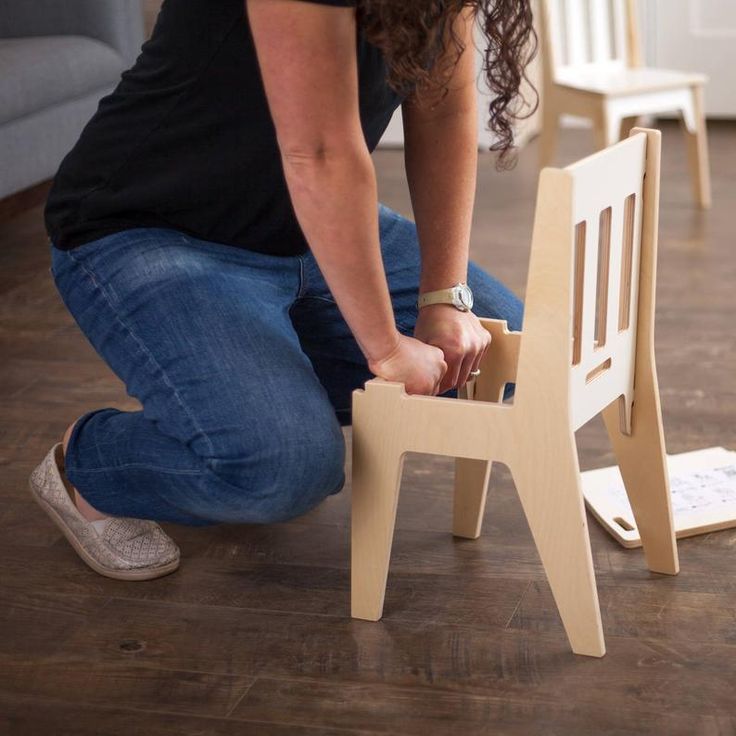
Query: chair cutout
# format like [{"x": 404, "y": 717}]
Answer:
[
  {"x": 587, "y": 347},
  {"x": 592, "y": 68}
]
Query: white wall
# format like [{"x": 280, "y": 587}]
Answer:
[{"x": 697, "y": 36}]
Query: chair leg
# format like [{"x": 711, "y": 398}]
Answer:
[
  {"x": 376, "y": 478},
  {"x": 551, "y": 495},
  {"x": 697, "y": 150},
  {"x": 469, "y": 498},
  {"x": 606, "y": 128},
  {"x": 472, "y": 475},
  {"x": 626, "y": 126},
  {"x": 642, "y": 461},
  {"x": 549, "y": 135}
]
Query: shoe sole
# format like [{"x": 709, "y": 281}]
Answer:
[{"x": 149, "y": 573}]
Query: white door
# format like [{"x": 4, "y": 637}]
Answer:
[{"x": 697, "y": 36}]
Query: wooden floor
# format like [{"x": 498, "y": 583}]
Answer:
[{"x": 252, "y": 635}]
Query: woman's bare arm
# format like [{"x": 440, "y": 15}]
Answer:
[
  {"x": 306, "y": 53},
  {"x": 441, "y": 155}
]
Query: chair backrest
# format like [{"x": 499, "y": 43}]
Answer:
[
  {"x": 591, "y": 277},
  {"x": 578, "y": 33}
]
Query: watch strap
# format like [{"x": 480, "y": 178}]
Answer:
[
  {"x": 439, "y": 296},
  {"x": 458, "y": 295}
]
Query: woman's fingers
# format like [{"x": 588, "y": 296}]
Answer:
[
  {"x": 485, "y": 344},
  {"x": 473, "y": 358}
]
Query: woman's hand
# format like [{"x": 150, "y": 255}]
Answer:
[
  {"x": 460, "y": 336},
  {"x": 420, "y": 367}
]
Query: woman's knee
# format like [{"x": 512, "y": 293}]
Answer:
[{"x": 276, "y": 480}]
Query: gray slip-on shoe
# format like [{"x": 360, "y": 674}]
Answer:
[{"x": 120, "y": 547}]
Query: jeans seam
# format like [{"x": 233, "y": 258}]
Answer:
[
  {"x": 140, "y": 466},
  {"x": 145, "y": 350},
  {"x": 302, "y": 285}
]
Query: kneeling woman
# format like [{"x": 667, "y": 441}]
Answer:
[{"x": 216, "y": 235}]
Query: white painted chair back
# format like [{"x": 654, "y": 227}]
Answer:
[
  {"x": 583, "y": 32},
  {"x": 584, "y": 278},
  {"x": 592, "y": 68}
]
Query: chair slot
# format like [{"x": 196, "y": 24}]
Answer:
[
  {"x": 578, "y": 286},
  {"x": 601, "y": 298},
  {"x": 624, "y": 311},
  {"x": 624, "y": 524},
  {"x": 599, "y": 370}
]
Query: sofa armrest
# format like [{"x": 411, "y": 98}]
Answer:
[{"x": 118, "y": 23}]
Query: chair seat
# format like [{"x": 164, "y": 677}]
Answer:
[
  {"x": 42, "y": 71},
  {"x": 618, "y": 81}
]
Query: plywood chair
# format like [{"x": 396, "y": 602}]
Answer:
[
  {"x": 592, "y": 68},
  {"x": 587, "y": 347}
]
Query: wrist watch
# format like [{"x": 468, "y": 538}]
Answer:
[{"x": 459, "y": 295}]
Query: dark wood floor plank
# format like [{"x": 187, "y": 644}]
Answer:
[
  {"x": 642, "y": 613},
  {"x": 24, "y": 200},
  {"x": 35, "y": 622},
  {"x": 126, "y": 684},
  {"x": 267, "y": 587},
  {"x": 426, "y": 712},
  {"x": 677, "y": 676},
  {"x": 27, "y": 716}
]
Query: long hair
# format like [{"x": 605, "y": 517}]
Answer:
[{"x": 413, "y": 33}]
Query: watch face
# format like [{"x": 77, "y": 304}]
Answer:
[{"x": 466, "y": 296}]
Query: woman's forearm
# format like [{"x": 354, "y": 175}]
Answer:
[
  {"x": 334, "y": 195},
  {"x": 441, "y": 163},
  {"x": 441, "y": 155}
]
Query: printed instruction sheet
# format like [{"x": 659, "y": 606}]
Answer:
[{"x": 703, "y": 495}]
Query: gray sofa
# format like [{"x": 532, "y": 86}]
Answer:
[{"x": 57, "y": 59}]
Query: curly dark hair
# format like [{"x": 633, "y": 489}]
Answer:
[{"x": 413, "y": 33}]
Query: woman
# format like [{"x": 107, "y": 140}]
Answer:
[{"x": 216, "y": 235}]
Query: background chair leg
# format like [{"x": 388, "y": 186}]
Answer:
[
  {"x": 551, "y": 494},
  {"x": 627, "y": 125},
  {"x": 549, "y": 135},
  {"x": 376, "y": 478},
  {"x": 697, "y": 150},
  {"x": 606, "y": 128},
  {"x": 641, "y": 459},
  {"x": 469, "y": 499}
]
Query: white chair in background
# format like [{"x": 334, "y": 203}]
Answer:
[{"x": 592, "y": 69}]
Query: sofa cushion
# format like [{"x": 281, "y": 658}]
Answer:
[{"x": 41, "y": 71}]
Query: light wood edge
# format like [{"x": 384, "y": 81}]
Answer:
[{"x": 642, "y": 453}]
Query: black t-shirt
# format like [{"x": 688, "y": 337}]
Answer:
[{"x": 186, "y": 139}]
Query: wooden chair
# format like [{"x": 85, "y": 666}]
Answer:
[
  {"x": 592, "y": 68},
  {"x": 587, "y": 347}
]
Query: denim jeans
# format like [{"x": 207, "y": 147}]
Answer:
[{"x": 242, "y": 363}]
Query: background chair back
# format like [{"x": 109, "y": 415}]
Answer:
[{"x": 584, "y": 32}]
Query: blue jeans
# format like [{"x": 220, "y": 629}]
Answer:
[{"x": 243, "y": 366}]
